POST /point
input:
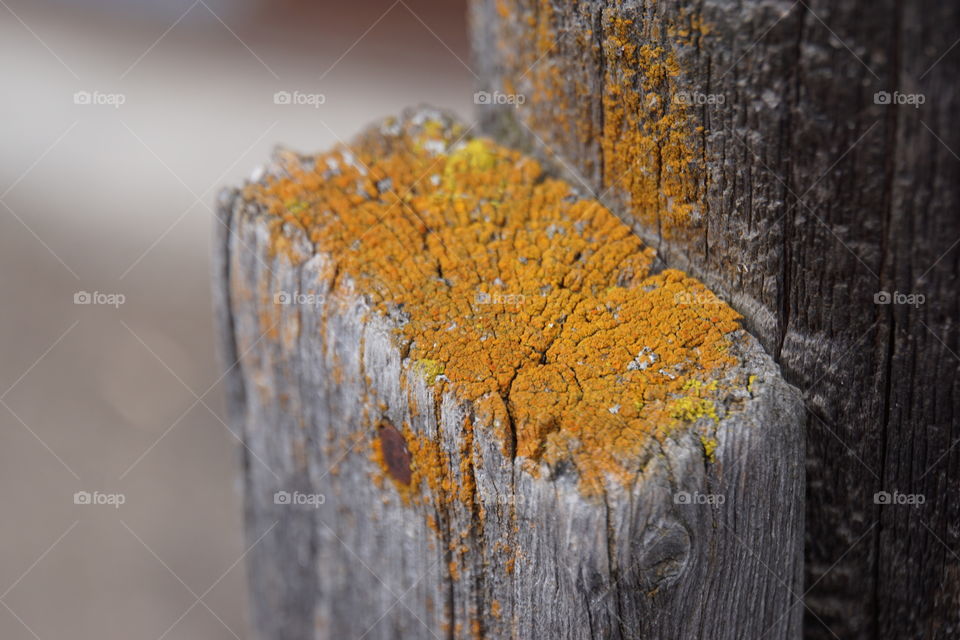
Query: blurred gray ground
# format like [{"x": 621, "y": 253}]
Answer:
[{"x": 116, "y": 200}]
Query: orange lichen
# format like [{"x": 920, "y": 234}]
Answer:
[
  {"x": 644, "y": 146},
  {"x": 431, "y": 465},
  {"x": 540, "y": 59},
  {"x": 508, "y": 289},
  {"x": 648, "y": 138},
  {"x": 468, "y": 485},
  {"x": 453, "y": 569}
]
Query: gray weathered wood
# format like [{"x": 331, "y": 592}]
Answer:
[
  {"x": 814, "y": 197},
  {"x": 309, "y": 388}
]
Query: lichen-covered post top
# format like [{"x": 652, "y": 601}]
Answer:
[{"x": 516, "y": 293}]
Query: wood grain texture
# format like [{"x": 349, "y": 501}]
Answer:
[
  {"x": 314, "y": 385},
  {"x": 813, "y": 198}
]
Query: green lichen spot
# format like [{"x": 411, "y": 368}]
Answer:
[
  {"x": 691, "y": 408},
  {"x": 295, "y": 206},
  {"x": 430, "y": 369}
]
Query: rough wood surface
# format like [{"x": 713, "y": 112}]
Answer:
[
  {"x": 810, "y": 194},
  {"x": 323, "y": 384}
]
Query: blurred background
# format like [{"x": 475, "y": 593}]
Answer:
[{"x": 121, "y": 120}]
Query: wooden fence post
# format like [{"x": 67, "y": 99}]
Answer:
[
  {"x": 474, "y": 405},
  {"x": 801, "y": 158}
]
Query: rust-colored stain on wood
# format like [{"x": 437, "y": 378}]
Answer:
[{"x": 396, "y": 456}]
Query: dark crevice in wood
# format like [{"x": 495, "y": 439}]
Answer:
[
  {"x": 598, "y": 34},
  {"x": 615, "y": 576},
  {"x": 790, "y": 202},
  {"x": 887, "y": 254}
]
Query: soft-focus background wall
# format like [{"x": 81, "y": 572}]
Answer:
[{"x": 116, "y": 200}]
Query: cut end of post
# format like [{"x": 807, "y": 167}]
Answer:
[
  {"x": 509, "y": 288},
  {"x": 553, "y": 425}
]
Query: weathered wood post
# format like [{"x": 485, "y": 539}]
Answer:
[
  {"x": 801, "y": 158},
  {"x": 475, "y": 405}
]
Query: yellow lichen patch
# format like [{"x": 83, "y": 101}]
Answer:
[
  {"x": 512, "y": 292},
  {"x": 690, "y": 409},
  {"x": 430, "y": 369},
  {"x": 709, "y": 447}
]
